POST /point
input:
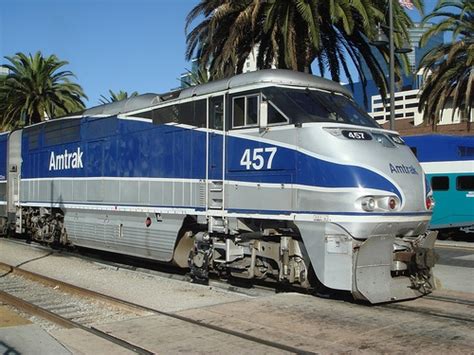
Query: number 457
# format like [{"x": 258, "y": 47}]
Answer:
[{"x": 254, "y": 158}]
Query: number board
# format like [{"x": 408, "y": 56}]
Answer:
[
  {"x": 357, "y": 135},
  {"x": 258, "y": 158}
]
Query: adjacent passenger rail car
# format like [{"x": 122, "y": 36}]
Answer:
[
  {"x": 266, "y": 175},
  {"x": 448, "y": 162}
]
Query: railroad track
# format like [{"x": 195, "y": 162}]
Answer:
[
  {"x": 256, "y": 289},
  {"x": 71, "y": 306},
  {"x": 64, "y": 305},
  {"x": 428, "y": 312},
  {"x": 435, "y": 312},
  {"x": 450, "y": 300},
  {"x": 147, "y": 267},
  {"x": 173, "y": 273}
]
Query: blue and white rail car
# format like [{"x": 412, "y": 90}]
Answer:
[
  {"x": 272, "y": 174},
  {"x": 448, "y": 162}
]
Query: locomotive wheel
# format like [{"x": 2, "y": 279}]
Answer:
[{"x": 199, "y": 258}]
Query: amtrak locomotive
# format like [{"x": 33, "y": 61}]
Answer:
[{"x": 267, "y": 175}]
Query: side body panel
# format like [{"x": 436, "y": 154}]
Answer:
[{"x": 109, "y": 175}]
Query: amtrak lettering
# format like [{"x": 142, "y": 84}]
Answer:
[
  {"x": 66, "y": 161},
  {"x": 403, "y": 169}
]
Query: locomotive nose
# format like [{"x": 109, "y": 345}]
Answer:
[
  {"x": 385, "y": 153},
  {"x": 407, "y": 173}
]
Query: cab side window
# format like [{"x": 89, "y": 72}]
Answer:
[
  {"x": 245, "y": 111},
  {"x": 238, "y": 109},
  {"x": 252, "y": 111},
  {"x": 216, "y": 112},
  {"x": 275, "y": 116}
]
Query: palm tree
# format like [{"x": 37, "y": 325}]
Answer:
[
  {"x": 119, "y": 96},
  {"x": 35, "y": 89},
  {"x": 449, "y": 68},
  {"x": 197, "y": 76},
  {"x": 5, "y": 123},
  {"x": 292, "y": 34}
]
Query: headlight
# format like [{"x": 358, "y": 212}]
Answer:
[
  {"x": 379, "y": 203},
  {"x": 368, "y": 204}
]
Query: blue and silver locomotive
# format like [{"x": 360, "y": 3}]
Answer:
[{"x": 266, "y": 175}]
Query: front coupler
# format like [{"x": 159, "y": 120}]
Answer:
[{"x": 388, "y": 268}]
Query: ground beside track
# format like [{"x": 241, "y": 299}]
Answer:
[
  {"x": 454, "y": 269},
  {"x": 300, "y": 321}
]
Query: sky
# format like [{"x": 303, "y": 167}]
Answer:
[{"x": 130, "y": 45}]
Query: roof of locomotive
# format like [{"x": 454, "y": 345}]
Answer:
[
  {"x": 265, "y": 76},
  {"x": 127, "y": 105},
  {"x": 272, "y": 76}
]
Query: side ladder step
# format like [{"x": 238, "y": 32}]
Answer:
[{"x": 216, "y": 192}]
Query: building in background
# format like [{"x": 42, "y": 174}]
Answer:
[
  {"x": 251, "y": 61},
  {"x": 414, "y": 57},
  {"x": 407, "y": 118},
  {"x": 249, "y": 66},
  {"x": 408, "y": 121},
  {"x": 186, "y": 79},
  {"x": 4, "y": 70},
  {"x": 410, "y": 81}
]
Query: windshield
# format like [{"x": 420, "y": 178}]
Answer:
[{"x": 316, "y": 106}]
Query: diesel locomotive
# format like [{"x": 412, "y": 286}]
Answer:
[{"x": 273, "y": 175}]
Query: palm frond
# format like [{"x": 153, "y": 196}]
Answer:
[
  {"x": 448, "y": 68},
  {"x": 36, "y": 88}
]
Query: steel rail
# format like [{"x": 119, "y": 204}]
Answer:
[
  {"x": 456, "y": 246},
  {"x": 76, "y": 290},
  {"x": 36, "y": 310},
  {"x": 427, "y": 312},
  {"x": 33, "y": 309},
  {"x": 450, "y": 300}
]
